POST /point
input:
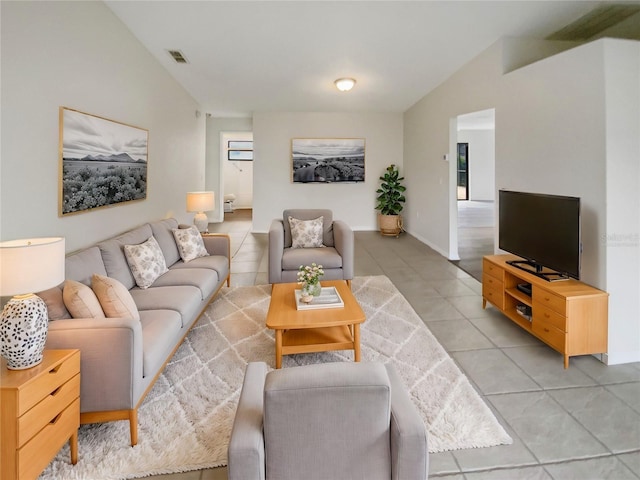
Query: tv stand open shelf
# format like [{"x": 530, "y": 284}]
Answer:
[{"x": 569, "y": 316}]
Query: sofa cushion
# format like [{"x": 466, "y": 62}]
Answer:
[
  {"x": 309, "y": 214},
  {"x": 328, "y": 257},
  {"x": 190, "y": 244},
  {"x": 55, "y": 303},
  {"x": 160, "y": 331},
  {"x": 219, "y": 263},
  {"x": 162, "y": 231},
  {"x": 114, "y": 298},
  {"x": 184, "y": 299},
  {"x": 80, "y": 266},
  {"x": 146, "y": 262},
  {"x": 81, "y": 301},
  {"x": 205, "y": 279},
  {"x": 306, "y": 233},
  {"x": 112, "y": 251}
]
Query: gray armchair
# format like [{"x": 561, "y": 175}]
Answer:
[
  {"x": 336, "y": 256},
  {"x": 326, "y": 421}
]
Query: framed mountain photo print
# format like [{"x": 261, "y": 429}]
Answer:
[{"x": 101, "y": 162}]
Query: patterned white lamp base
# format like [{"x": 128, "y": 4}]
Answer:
[
  {"x": 201, "y": 221},
  {"x": 23, "y": 331}
]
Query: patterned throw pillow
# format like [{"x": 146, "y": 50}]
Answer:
[
  {"x": 81, "y": 301},
  {"x": 115, "y": 299},
  {"x": 306, "y": 233},
  {"x": 146, "y": 262},
  {"x": 190, "y": 243}
]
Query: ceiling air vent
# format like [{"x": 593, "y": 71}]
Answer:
[{"x": 177, "y": 56}]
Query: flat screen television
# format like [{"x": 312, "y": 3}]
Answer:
[{"x": 542, "y": 229}]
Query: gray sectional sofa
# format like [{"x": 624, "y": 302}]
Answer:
[{"x": 122, "y": 357}]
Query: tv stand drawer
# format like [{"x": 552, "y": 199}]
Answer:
[
  {"x": 549, "y": 334},
  {"x": 550, "y": 300},
  {"x": 543, "y": 313}
]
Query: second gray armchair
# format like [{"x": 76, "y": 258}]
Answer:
[
  {"x": 336, "y": 254},
  {"x": 330, "y": 421}
]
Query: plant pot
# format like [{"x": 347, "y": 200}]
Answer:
[{"x": 390, "y": 225}]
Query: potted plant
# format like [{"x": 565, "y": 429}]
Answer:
[{"x": 390, "y": 202}]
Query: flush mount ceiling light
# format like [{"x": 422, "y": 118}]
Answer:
[{"x": 345, "y": 84}]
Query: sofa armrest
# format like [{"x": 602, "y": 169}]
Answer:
[
  {"x": 276, "y": 250},
  {"x": 344, "y": 244},
  {"x": 217, "y": 244},
  {"x": 246, "y": 451},
  {"x": 409, "y": 455},
  {"x": 111, "y": 365}
]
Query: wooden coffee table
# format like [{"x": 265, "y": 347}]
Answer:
[{"x": 307, "y": 331}]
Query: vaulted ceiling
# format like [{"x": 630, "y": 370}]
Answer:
[{"x": 255, "y": 56}]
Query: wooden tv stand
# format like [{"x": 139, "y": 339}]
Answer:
[{"x": 569, "y": 316}]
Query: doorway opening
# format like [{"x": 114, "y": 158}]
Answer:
[
  {"x": 236, "y": 162},
  {"x": 473, "y": 210}
]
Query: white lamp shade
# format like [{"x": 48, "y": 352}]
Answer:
[
  {"x": 200, "y": 202},
  {"x": 31, "y": 265}
]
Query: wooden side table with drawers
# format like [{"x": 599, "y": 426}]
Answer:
[{"x": 40, "y": 412}]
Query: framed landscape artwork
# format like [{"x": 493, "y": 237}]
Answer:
[
  {"x": 102, "y": 162},
  {"x": 327, "y": 160}
]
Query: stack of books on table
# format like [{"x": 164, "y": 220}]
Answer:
[{"x": 329, "y": 298}]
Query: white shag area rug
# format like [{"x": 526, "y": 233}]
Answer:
[{"x": 185, "y": 421}]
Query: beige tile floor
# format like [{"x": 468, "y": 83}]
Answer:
[{"x": 581, "y": 423}]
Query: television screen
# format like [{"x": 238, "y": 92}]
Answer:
[{"x": 543, "y": 229}]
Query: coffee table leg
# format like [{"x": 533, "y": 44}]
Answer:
[
  {"x": 278, "y": 348},
  {"x": 356, "y": 342}
]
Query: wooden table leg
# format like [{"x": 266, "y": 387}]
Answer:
[
  {"x": 356, "y": 342},
  {"x": 73, "y": 446},
  {"x": 278, "y": 348}
]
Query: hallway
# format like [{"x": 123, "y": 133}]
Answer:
[{"x": 476, "y": 224}]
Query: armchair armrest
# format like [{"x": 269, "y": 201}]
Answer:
[
  {"x": 246, "y": 451},
  {"x": 111, "y": 366},
  {"x": 276, "y": 249},
  {"x": 344, "y": 244},
  {"x": 409, "y": 455}
]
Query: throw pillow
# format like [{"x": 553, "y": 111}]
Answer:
[
  {"x": 146, "y": 262},
  {"x": 306, "y": 233},
  {"x": 190, "y": 243},
  {"x": 55, "y": 303},
  {"x": 115, "y": 299},
  {"x": 81, "y": 301}
]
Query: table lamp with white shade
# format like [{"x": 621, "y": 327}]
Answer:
[
  {"x": 27, "y": 266},
  {"x": 198, "y": 203}
]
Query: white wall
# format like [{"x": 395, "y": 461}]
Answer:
[
  {"x": 79, "y": 55},
  {"x": 552, "y": 140},
  {"x": 354, "y": 203},
  {"x": 567, "y": 124},
  {"x": 481, "y": 163},
  {"x": 430, "y": 133},
  {"x": 622, "y": 238}
]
